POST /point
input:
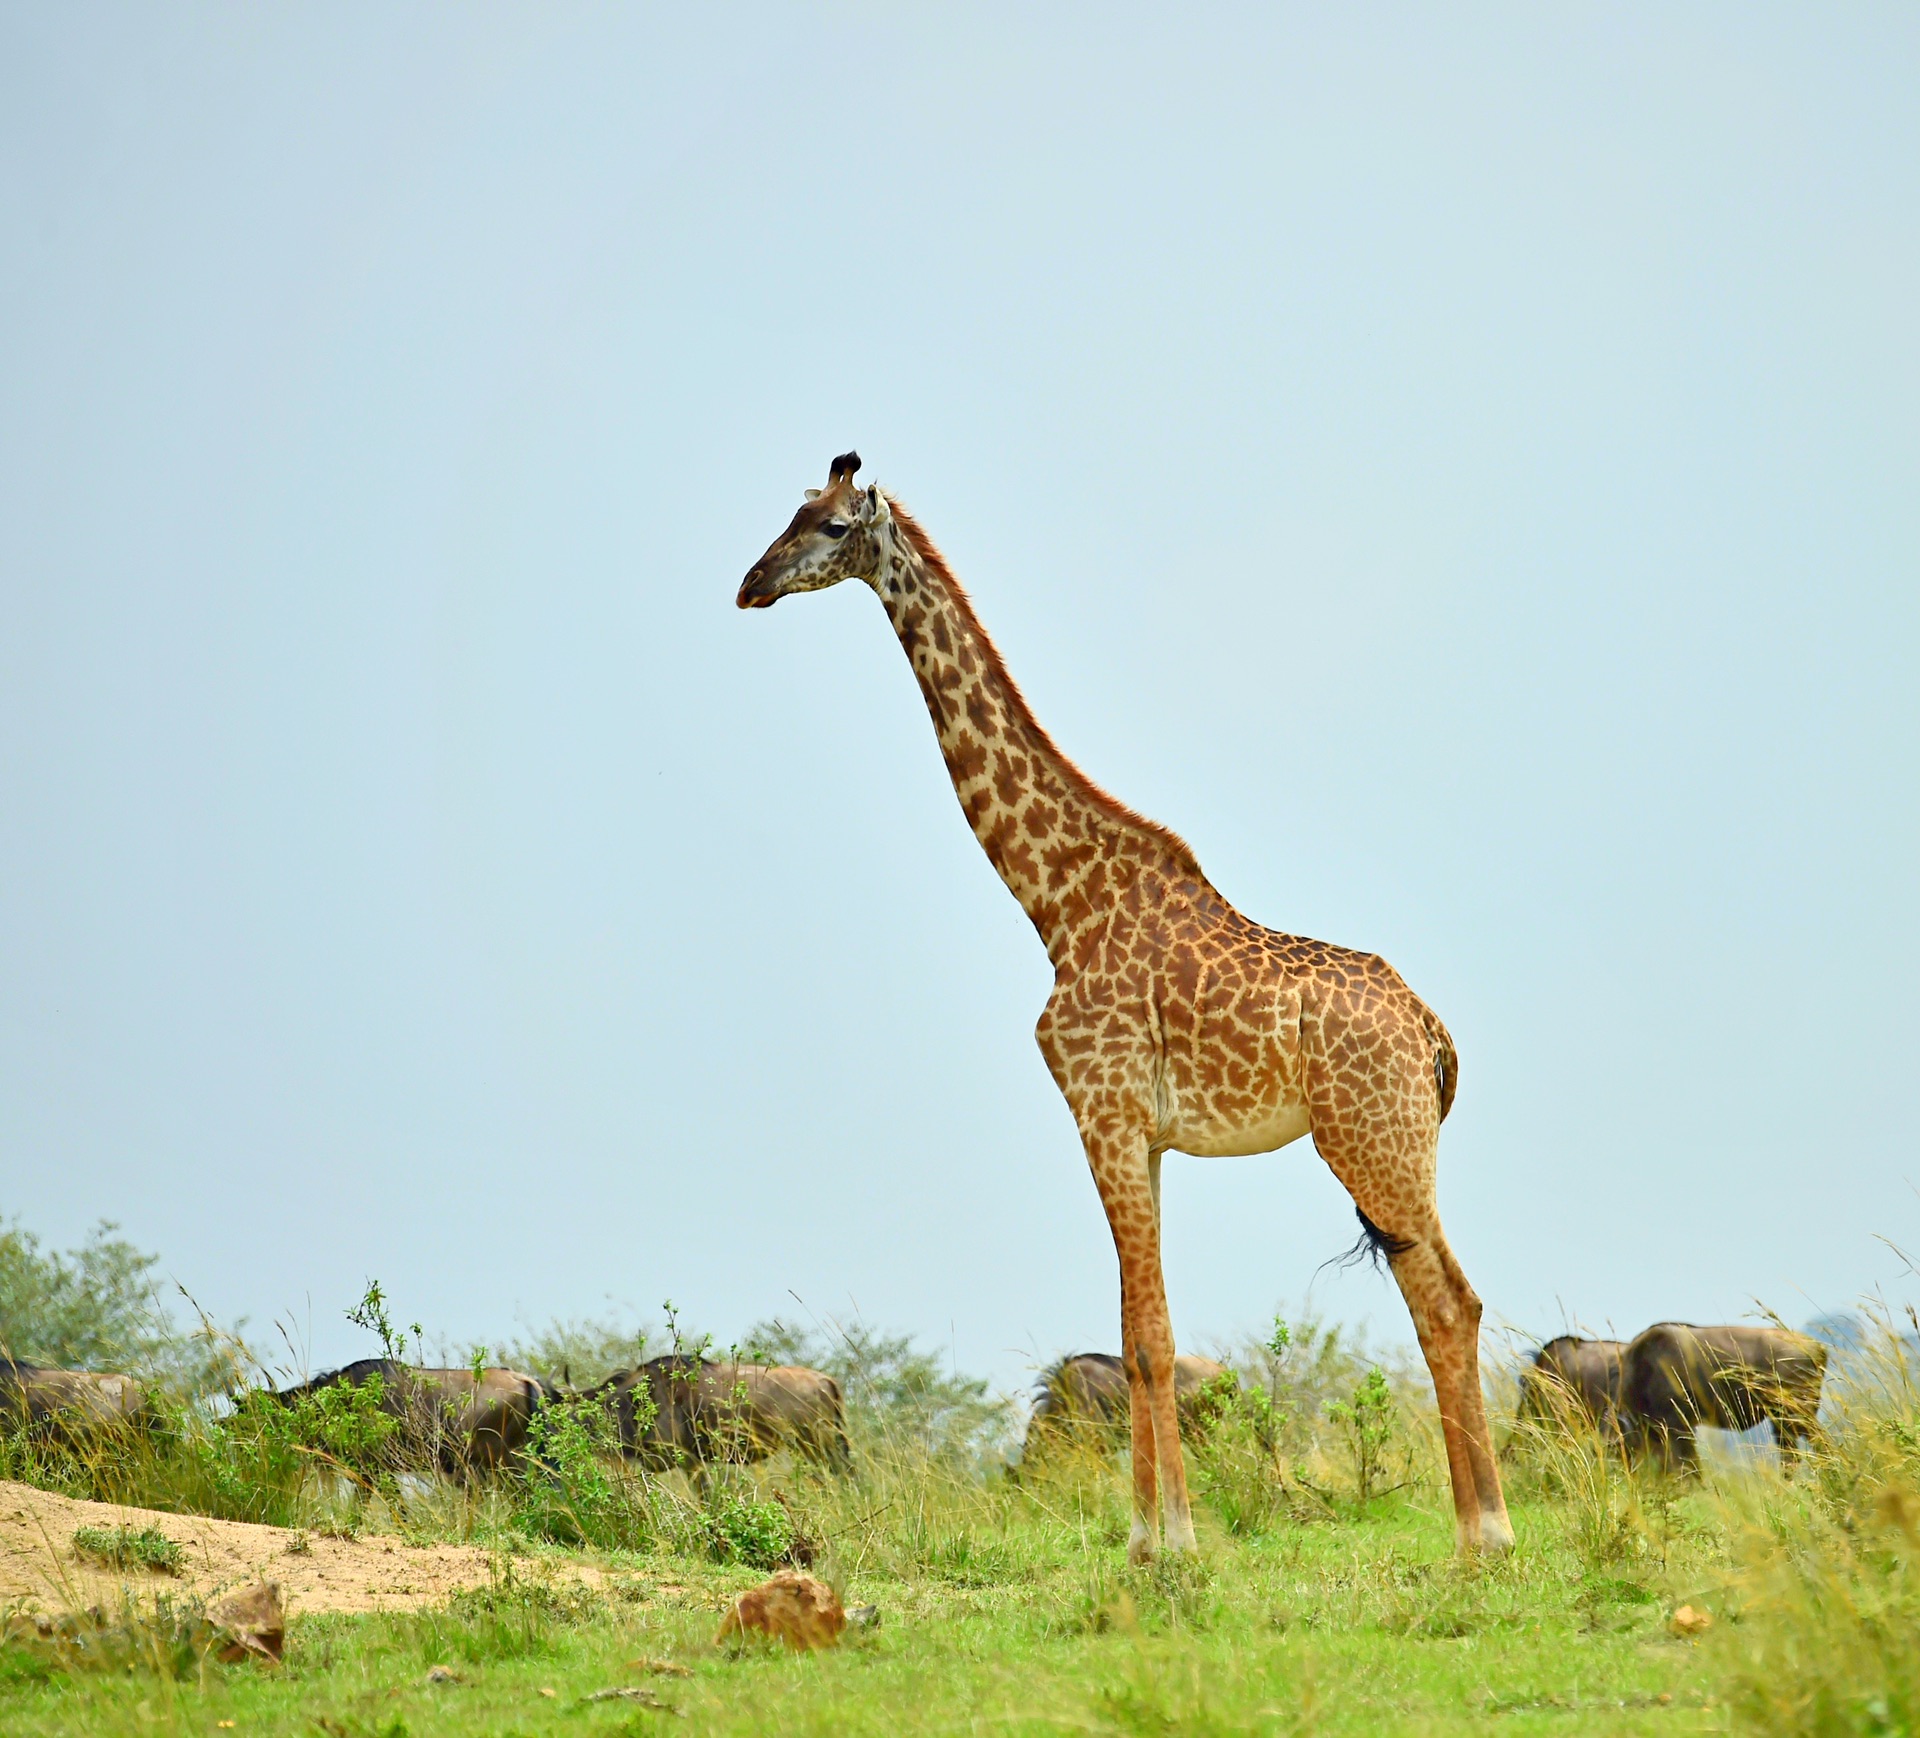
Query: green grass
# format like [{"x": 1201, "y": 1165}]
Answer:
[
  {"x": 128, "y": 1548},
  {"x": 1005, "y": 1605},
  {"x": 1022, "y": 1621}
]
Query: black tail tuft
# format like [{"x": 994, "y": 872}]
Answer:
[{"x": 1372, "y": 1245}]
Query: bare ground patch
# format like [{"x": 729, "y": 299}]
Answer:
[{"x": 372, "y": 1572}]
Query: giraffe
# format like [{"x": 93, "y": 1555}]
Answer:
[{"x": 1175, "y": 1023}]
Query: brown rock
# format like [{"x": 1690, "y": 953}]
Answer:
[
  {"x": 792, "y": 1607},
  {"x": 1690, "y": 1621},
  {"x": 251, "y": 1622}
]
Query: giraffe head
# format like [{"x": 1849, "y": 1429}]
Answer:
[{"x": 840, "y": 532}]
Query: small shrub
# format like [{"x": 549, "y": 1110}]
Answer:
[
  {"x": 124, "y": 1548},
  {"x": 739, "y": 1530},
  {"x": 577, "y": 1489},
  {"x": 1238, "y": 1465},
  {"x": 968, "y": 1558},
  {"x": 1367, "y": 1424},
  {"x": 260, "y": 1461}
]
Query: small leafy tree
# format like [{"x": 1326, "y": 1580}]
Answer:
[
  {"x": 1240, "y": 1432},
  {"x": 1367, "y": 1423},
  {"x": 98, "y": 1307},
  {"x": 371, "y": 1313},
  {"x": 578, "y": 1489}
]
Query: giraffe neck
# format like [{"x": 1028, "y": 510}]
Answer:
[{"x": 1061, "y": 844}]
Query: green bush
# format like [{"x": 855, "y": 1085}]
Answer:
[
  {"x": 126, "y": 1548},
  {"x": 259, "y": 1459},
  {"x": 577, "y": 1489},
  {"x": 1239, "y": 1467},
  {"x": 1367, "y": 1425},
  {"x": 739, "y": 1530},
  {"x": 263, "y": 1459}
]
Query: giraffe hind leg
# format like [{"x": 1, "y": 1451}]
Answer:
[{"x": 1400, "y": 1223}]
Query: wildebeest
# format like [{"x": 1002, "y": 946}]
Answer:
[
  {"x": 1574, "y": 1381},
  {"x": 1090, "y": 1389},
  {"x": 69, "y": 1405},
  {"x": 706, "y": 1411},
  {"x": 461, "y": 1421},
  {"x": 1676, "y": 1377}
]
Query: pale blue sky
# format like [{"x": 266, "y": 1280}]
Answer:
[{"x": 1457, "y": 465}]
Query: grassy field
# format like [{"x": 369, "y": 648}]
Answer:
[
  {"x": 1028, "y": 1626},
  {"x": 1325, "y": 1598},
  {"x": 1004, "y": 1604}
]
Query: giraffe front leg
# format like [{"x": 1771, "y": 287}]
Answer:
[
  {"x": 1143, "y": 1538},
  {"x": 1123, "y": 1173}
]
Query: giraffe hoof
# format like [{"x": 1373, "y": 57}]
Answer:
[
  {"x": 1496, "y": 1535},
  {"x": 1140, "y": 1546}
]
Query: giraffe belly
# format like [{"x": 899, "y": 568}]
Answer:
[{"x": 1271, "y": 1128}]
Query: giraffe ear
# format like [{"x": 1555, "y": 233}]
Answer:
[
  {"x": 874, "y": 508},
  {"x": 813, "y": 494}
]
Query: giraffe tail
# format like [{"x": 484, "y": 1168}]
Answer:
[{"x": 1446, "y": 1063}]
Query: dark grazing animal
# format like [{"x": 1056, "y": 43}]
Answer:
[
  {"x": 706, "y": 1412},
  {"x": 461, "y": 1421},
  {"x": 69, "y": 1406},
  {"x": 1574, "y": 1382},
  {"x": 1676, "y": 1377},
  {"x": 1089, "y": 1390}
]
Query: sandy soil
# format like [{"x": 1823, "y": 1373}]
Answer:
[{"x": 369, "y": 1573}]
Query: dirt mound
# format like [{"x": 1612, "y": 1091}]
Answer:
[{"x": 369, "y": 1573}]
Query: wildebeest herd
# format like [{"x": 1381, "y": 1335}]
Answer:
[
  {"x": 1651, "y": 1394},
  {"x": 1646, "y": 1397},
  {"x": 678, "y": 1410}
]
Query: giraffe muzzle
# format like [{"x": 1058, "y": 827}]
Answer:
[{"x": 756, "y": 592}]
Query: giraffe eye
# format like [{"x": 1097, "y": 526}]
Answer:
[{"x": 836, "y": 528}]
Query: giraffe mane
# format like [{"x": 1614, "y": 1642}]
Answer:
[{"x": 1104, "y": 801}]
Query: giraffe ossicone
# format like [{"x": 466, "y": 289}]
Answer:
[{"x": 1176, "y": 1024}]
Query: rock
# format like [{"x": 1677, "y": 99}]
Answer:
[
  {"x": 251, "y": 1622},
  {"x": 1690, "y": 1621},
  {"x": 793, "y": 1607}
]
